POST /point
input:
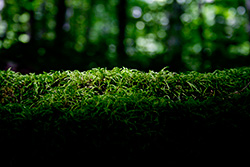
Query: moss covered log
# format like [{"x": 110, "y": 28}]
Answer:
[{"x": 124, "y": 114}]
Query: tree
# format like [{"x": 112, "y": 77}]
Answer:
[
  {"x": 122, "y": 18},
  {"x": 174, "y": 41},
  {"x": 60, "y": 20},
  {"x": 89, "y": 21},
  {"x": 203, "y": 53},
  {"x": 248, "y": 13}
]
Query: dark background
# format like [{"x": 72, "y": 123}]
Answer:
[{"x": 200, "y": 35}]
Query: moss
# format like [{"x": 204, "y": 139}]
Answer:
[
  {"x": 127, "y": 95},
  {"x": 72, "y": 87},
  {"x": 124, "y": 109}
]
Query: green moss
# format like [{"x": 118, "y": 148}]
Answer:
[
  {"x": 123, "y": 109},
  {"x": 127, "y": 95},
  {"x": 71, "y": 87}
]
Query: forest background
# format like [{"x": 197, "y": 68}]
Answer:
[{"x": 185, "y": 35}]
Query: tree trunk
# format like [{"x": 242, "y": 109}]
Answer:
[
  {"x": 174, "y": 41},
  {"x": 248, "y": 26},
  {"x": 203, "y": 54},
  {"x": 32, "y": 31},
  {"x": 89, "y": 22},
  {"x": 248, "y": 13},
  {"x": 60, "y": 20},
  {"x": 122, "y": 18}
]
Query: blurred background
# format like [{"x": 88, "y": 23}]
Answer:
[{"x": 199, "y": 35}]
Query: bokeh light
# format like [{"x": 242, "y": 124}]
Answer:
[{"x": 136, "y": 12}]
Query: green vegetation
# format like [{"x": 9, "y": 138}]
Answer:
[
  {"x": 199, "y": 35},
  {"x": 134, "y": 108},
  {"x": 74, "y": 87},
  {"x": 120, "y": 93},
  {"x": 122, "y": 109}
]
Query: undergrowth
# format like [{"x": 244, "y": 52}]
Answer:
[
  {"x": 124, "y": 111},
  {"x": 73, "y": 87}
]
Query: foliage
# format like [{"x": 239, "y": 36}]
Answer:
[
  {"x": 18, "y": 88},
  {"x": 122, "y": 113},
  {"x": 81, "y": 34},
  {"x": 119, "y": 93}
]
